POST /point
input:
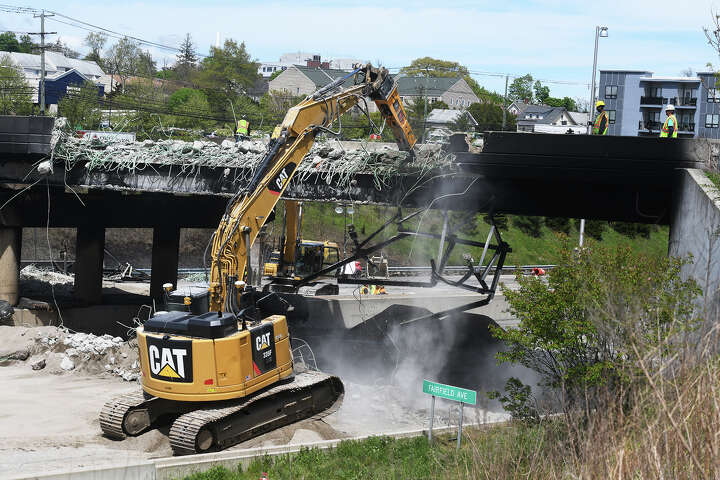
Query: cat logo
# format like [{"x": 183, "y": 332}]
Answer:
[
  {"x": 280, "y": 181},
  {"x": 170, "y": 361},
  {"x": 262, "y": 341}
]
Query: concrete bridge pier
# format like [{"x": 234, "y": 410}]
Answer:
[
  {"x": 90, "y": 252},
  {"x": 10, "y": 238},
  {"x": 164, "y": 263}
]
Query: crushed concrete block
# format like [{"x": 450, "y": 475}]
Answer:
[
  {"x": 197, "y": 146},
  {"x": 67, "y": 364},
  {"x": 39, "y": 365},
  {"x": 21, "y": 355},
  {"x": 148, "y": 143},
  {"x": 227, "y": 144}
]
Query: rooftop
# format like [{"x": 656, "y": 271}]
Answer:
[{"x": 56, "y": 62}]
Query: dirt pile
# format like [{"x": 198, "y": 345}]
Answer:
[{"x": 58, "y": 351}]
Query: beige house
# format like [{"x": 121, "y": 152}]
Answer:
[
  {"x": 454, "y": 91},
  {"x": 300, "y": 80}
]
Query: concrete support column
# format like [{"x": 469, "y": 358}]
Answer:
[
  {"x": 165, "y": 251},
  {"x": 10, "y": 264},
  {"x": 90, "y": 251}
]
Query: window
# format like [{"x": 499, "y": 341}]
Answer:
[
  {"x": 712, "y": 120},
  {"x": 611, "y": 91},
  {"x": 712, "y": 96},
  {"x": 654, "y": 92},
  {"x": 611, "y": 116}
]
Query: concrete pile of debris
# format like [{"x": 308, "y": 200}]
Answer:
[
  {"x": 327, "y": 157},
  {"x": 57, "y": 350}
]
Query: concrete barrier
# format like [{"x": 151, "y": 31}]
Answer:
[{"x": 695, "y": 230}]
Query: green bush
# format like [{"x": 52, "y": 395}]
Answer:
[{"x": 590, "y": 313}]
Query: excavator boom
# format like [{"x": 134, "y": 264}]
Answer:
[{"x": 248, "y": 210}]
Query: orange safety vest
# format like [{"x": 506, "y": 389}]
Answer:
[
  {"x": 665, "y": 130},
  {"x": 596, "y": 125}
]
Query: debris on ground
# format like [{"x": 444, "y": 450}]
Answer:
[
  {"x": 37, "y": 282},
  {"x": 57, "y": 350}
]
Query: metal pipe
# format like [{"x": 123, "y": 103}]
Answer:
[
  {"x": 432, "y": 416},
  {"x": 460, "y": 426},
  {"x": 591, "y": 108}
]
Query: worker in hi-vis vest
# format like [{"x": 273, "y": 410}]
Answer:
[
  {"x": 242, "y": 129},
  {"x": 670, "y": 127},
  {"x": 600, "y": 126}
]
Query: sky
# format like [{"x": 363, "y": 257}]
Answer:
[{"x": 553, "y": 40}]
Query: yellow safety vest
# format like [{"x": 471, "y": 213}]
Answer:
[
  {"x": 596, "y": 125},
  {"x": 665, "y": 130},
  {"x": 242, "y": 127}
]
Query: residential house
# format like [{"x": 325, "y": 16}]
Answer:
[
  {"x": 454, "y": 91},
  {"x": 635, "y": 101},
  {"x": 57, "y": 73},
  {"x": 517, "y": 107},
  {"x": 545, "y": 119},
  {"x": 445, "y": 118},
  {"x": 301, "y": 80}
]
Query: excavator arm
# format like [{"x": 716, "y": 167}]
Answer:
[{"x": 248, "y": 210}]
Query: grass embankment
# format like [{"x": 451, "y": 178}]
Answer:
[
  {"x": 669, "y": 432},
  {"x": 320, "y": 222},
  {"x": 714, "y": 177}
]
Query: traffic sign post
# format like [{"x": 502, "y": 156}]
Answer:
[{"x": 460, "y": 395}]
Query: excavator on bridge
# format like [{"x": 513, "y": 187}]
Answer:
[{"x": 222, "y": 371}]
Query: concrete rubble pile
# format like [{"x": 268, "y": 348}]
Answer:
[
  {"x": 57, "y": 350},
  {"x": 327, "y": 157},
  {"x": 38, "y": 282}
]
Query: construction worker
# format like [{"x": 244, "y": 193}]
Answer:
[
  {"x": 670, "y": 127},
  {"x": 242, "y": 129},
  {"x": 600, "y": 127}
]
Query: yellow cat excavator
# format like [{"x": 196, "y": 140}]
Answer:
[{"x": 222, "y": 371}]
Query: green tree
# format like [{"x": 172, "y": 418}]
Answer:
[
  {"x": 490, "y": 117},
  {"x": 228, "y": 68},
  {"x": 95, "y": 41},
  {"x": 558, "y": 224},
  {"x": 416, "y": 112},
  {"x": 485, "y": 95},
  {"x": 463, "y": 124},
  {"x": 191, "y": 109},
  {"x": 15, "y": 93},
  {"x": 122, "y": 60},
  {"x": 529, "y": 225},
  {"x": 580, "y": 325},
  {"x": 8, "y": 42},
  {"x": 26, "y": 44},
  {"x": 146, "y": 66},
  {"x": 566, "y": 102},
  {"x": 186, "y": 59},
  {"x": 80, "y": 106},
  {"x": 542, "y": 93},
  {"x": 521, "y": 89},
  {"x": 434, "y": 67}
]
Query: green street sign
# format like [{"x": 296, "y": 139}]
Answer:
[{"x": 451, "y": 393}]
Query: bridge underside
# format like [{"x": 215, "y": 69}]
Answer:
[{"x": 609, "y": 178}]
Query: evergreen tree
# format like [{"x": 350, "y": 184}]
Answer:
[
  {"x": 186, "y": 59},
  {"x": 558, "y": 224}
]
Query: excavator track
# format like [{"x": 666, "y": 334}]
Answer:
[
  {"x": 310, "y": 394},
  {"x": 114, "y": 412}
]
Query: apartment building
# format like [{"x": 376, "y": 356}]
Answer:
[{"x": 635, "y": 101}]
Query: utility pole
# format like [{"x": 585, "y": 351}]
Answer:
[
  {"x": 42, "y": 16},
  {"x": 505, "y": 103},
  {"x": 426, "y": 105}
]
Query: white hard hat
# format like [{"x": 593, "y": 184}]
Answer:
[{"x": 670, "y": 106}]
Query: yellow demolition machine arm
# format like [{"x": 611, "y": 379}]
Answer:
[{"x": 248, "y": 210}]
